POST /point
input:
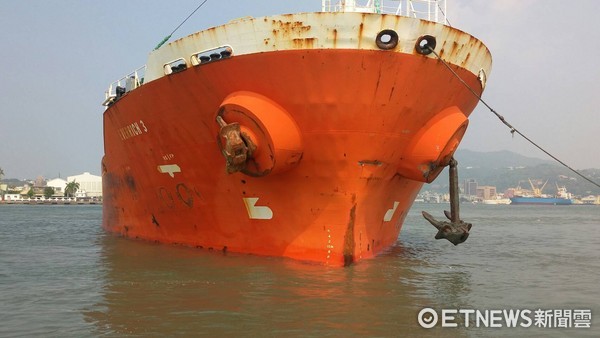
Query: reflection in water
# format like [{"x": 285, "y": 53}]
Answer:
[
  {"x": 57, "y": 266},
  {"x": 157, "y": 289}
]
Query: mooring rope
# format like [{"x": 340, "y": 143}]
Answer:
[
  {"x": 513, "y": 130},
  {"x": 176, "y": 28},
  {"x": 444, "y": 14}
]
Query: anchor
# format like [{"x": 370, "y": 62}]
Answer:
[
  {"x": 237, "y": 148},
  {"x": 456, "y": 231}
]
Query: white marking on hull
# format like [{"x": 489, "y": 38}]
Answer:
[
  {"x": 170, "y": 169},
  {"x": 257, "y": 212},
  {"x": 390, "y": 213},
  {"x": 329, "y": 245}
]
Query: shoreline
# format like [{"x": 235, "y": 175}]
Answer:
[{"x": 50, "y": 202}]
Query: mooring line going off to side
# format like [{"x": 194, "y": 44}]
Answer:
[
  {"x": 503, "y": 120},
  {"x": 176, "y": 28}
]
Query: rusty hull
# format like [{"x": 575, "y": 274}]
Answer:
[{"x": 348, "y": 133}]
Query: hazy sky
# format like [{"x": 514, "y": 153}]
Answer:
[{"x": 58, "y": 57}]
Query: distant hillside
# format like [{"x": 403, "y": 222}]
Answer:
[
  {"x": 13, "y": 182},
  {"x": 496, "y": 159},
  {"x": 505, "y": 169}
]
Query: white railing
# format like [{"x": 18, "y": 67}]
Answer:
[
  {"x": 127, "y": 83},
  {"x": 13, "y": 198},
  {"x": 431, "y": 10}
]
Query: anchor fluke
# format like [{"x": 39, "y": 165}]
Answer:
[
  {"x": 456, "y": 231},
  {"x": 448, "y": 214}
]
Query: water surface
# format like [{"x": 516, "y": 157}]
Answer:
[{"x": 62, "y": 275}]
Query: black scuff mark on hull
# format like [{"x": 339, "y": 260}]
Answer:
[
  {"x": 185, "y": 195},
  {"x": 154, "y": 221},
  {"x": 349, "y": 243},
  {"x": 130, "y": 182}
]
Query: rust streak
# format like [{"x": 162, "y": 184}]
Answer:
[
  {"x": 361, "y": 29},
  {"x": 307, "y": 43},
  {"x": 349, "y": 243},
  {"x": 335, "y": 37}
]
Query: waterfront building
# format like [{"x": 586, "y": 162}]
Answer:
[
  {"x": 58, "y": 184},
  {"x": 485, "y": 192},
  {"x": 89, "y": 184}
]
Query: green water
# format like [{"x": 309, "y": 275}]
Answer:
[{"x": 61, "y": 275}]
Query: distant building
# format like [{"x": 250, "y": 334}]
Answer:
[
  {"x": 26, "y": 189},
  {"x": 12, "y": 197},
  {"x": 470, "y": 187},
  {"x": 89, "y": 184},
  {"x": 58, "y": 184},
  {"x": 39, "y": 182},
  {"x": 486, "y": 192},
  {"x": 591, "y": 200},
  {"x": 432, "y": 197}
]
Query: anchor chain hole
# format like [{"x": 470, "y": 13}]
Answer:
[
  {"x": 425, "y": 44},
  {"x": 387, "y": 39}
]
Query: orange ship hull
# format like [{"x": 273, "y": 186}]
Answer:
[{"x": 344, "y": 140}]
